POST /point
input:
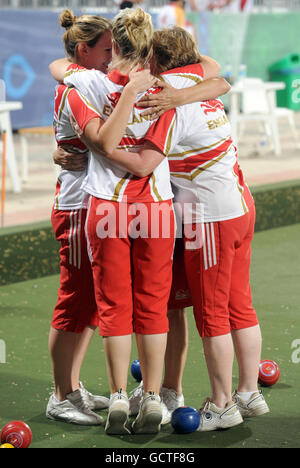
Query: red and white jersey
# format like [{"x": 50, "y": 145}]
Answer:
[
  {"x": 69, "y": 195},
  {"x": 100, "y": 93},
  {"x": 205, "y": 174}
]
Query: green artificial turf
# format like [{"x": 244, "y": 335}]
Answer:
[{"x": 26, "y": 379}]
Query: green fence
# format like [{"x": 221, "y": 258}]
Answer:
[
  {"x": 257, "y": 40},
  {"x": 27, "y": 252}
]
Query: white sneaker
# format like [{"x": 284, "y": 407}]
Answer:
[
  {"x": 135, "y": 400},
  {"x": 171, "y": 399},
  {"x": 96, "y": 402},
  {"x": 166, "y": 414},
  {"x": 73, "y": 410},
  {"x": 149, "y": 419},
  {"x": 117, "y": 419},
  {"x": 213, "y": 418},
  {"x": 255, "y": 406}
]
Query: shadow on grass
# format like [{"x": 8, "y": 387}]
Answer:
[
  {"x": 168, "y": 438},
  {"x": 26, "y": 399}
]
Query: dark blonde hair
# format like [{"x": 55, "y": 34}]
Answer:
[
  {"x": 85, "y": 28},
  {"x": 174, "y": 47},
  {"x": 132, "y": 32}
]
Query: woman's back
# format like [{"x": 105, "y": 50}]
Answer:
[{"x": 105, "y": 180}]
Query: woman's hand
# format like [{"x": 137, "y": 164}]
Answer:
[
  {"x": 70, "y": 160},
  {"x": 160, "y": 102},
  {"x": 142, "y": 80}
]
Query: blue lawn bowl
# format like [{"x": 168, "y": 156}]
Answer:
[
  {"x": 136, "y": 370},
  {"x": 185, "y": 420}
]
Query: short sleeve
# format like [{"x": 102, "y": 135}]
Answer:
[
  {"x": 80, "y": 108},
  {"x": 166, "y": 132}
]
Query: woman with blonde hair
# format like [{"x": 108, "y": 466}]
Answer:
[
  {"x": 218, "y": 214},
  {"x": 87, "y": 42},
  {"x": 144, "y": 262},
  {"x": 135, "y": 300}
]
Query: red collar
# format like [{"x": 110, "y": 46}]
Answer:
[
  {"x": 116, "y": 77},
  {"x": 195, "y": 68}
]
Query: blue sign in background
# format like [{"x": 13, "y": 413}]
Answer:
[{"x": 30, "y": 40}]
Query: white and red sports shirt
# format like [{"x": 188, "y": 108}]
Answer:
[
  {"x": 69, "y": 195},
  {"x": 205, "y": 172},
  {"x": 98, "y": 94}
]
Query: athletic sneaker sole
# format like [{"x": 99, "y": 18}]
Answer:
[
  {"x": 73, "y": 421},
  {"x": 116, "y": 423},
  {"x": 148, "y": 424},
  {"x": 234, "y": 421},
  {"x": 257, "y": 411}
]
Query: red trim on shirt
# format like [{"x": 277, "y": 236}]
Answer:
[
  {"x": 117, "y": 77},
  {"x": 190, "y": 163},
  {"x": 138, "y": 189},
  {"x": 195, "y": 68},
  {"x": 132, "y": 141},
  {"x": 81, "y": 112},
  {"x": 158, "y": 132}
]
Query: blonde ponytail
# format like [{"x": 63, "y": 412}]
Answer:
[{"x": 132, "y": 32}]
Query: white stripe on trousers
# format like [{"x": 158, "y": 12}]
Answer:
[
  {"x": 209, "y": 245},
  {"x": 75, "y": 238},
  {"x": 89, "y": 248}
]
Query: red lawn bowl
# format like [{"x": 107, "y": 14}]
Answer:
[
  {"x": 16, "y": 433},
  {"x": 269, "y": 373}
]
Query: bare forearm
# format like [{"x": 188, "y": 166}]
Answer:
[
  {"x": 140, "y": 164},
  {"x": 211, "y": 68},
  {"x": 58, "y": 68},
  {"x": 131, "y": 162},
  {"x": 208, "y": 89},
  {"x": 108, "y": 135},
  {"x": 170, "y": 97},
  {"x": 111, "y": 133}
]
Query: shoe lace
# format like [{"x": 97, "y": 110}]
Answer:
[
  {"x": 152, "y": 396},
  {"x": 205, "y": 405}
]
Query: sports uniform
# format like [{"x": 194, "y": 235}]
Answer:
[
  {"x": 130, "y": 247},
  {"x": 216, "y": 208},
  {"x": 76, "y": 306}
]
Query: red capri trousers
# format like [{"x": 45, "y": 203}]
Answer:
[
  {"x": 76, "y": 306},
  {"x": 131, "y": 252},
  {"x": 217, "y": 273}
]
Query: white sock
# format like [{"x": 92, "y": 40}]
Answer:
[{"x": 246, "y": 395}]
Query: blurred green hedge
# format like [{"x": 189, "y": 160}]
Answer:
[{"x": 31, "y": 251}]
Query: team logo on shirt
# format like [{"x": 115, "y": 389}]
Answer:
[
  {"x": 212, "y": 106},
  {"x": 113, "y": 98}
]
